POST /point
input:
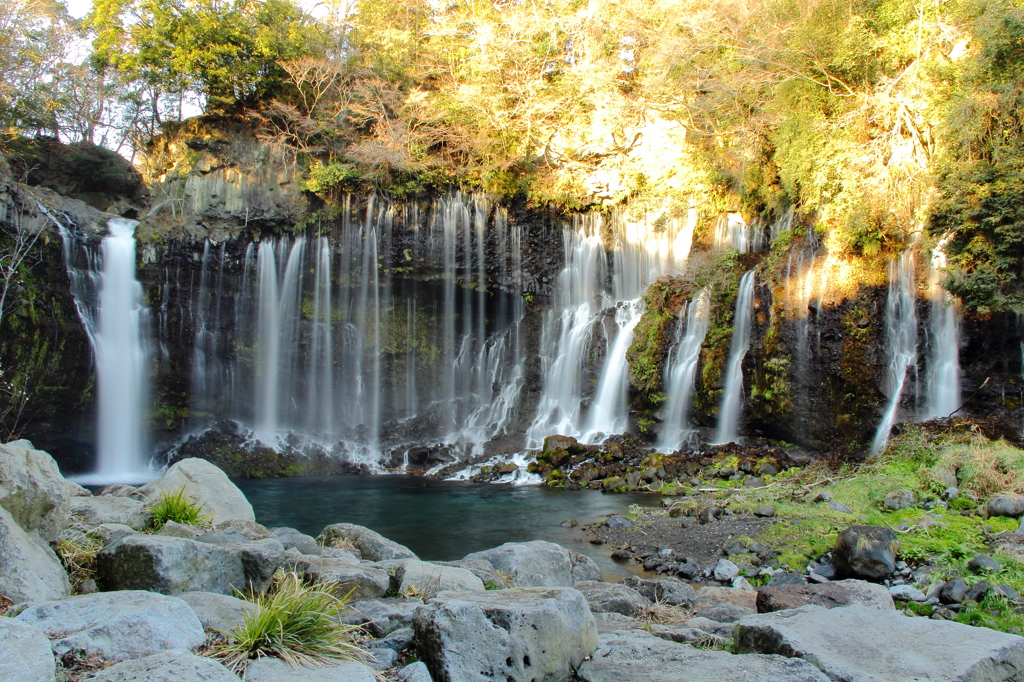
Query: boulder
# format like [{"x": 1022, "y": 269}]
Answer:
[
  {"x": 481, "y": 569},
  {"x": 180, "y": 530},
  {"x": 1006, "y": 505},
  {"x": 415, "y": 672},
  {"x": 613, "y": 598},
  {"x": 122, "y": 510},
  {"x": 839, "y": 507},
  {"x": 865, "y": 552},
  {"x": 116, "y": 625},
  {"x": 275, "y": 670},
  {"x": 907, "y": 593},
  {"x": 515, "y": 635},
  {"x": 680, "y": 633},
  {"x": 364, "y": 582},
  {"x": 32, "y": 490},
  {"x": 615, "y": 622},
  {"x": 641, "y": 656},
  {"x": 117, "y": 490},
  {"x": 583, "y": 567},
  {"x": 380, "y": 617},
  {"x": 884, "y": 645},
  {"x": 829, "y": 595},
  {"x": 671, "y": 591},
  {"x": 29, "y": 570},
  {"x": 717, "y": 596},
  {"x": 289, "y": 537},
  {"x": 398, "y": 641},
  {"x": 421, "y": 579},
  {"x": 171, "y": 565},
  {"x": 725, "y": 571},
  {"x": 167, "y": 666},
  {"x": 983, "y": 563},
  {"x": 765, "y": 511},
  {"x": 206, "y": 485},
  {"x": 25, "y": 654},
  {"x": 249, "y": 529},
  {"x": 899, "y": 499},
  {"x": 786, "y": 578},
  {"x": 217, "y": 611},
  {"x": 372, "y": 545},
  {"x": 954, "y": 592},
  {"x": 112, "y": 532},
  {"x": 533, "y": 564}
]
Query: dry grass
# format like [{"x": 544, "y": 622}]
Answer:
[
  {"x": 981, "y": 466},
  {"x": 79, "y": 559},
  {"x": 660, "y": 613}
]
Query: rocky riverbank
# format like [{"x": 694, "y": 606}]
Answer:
[{"x": 155, "y": 605}]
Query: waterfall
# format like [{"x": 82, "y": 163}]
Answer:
[
  {"x": 110, "y": 304},
  {"x": 609, "y": 413},
  {"x": 681, "y": 370},
  {"x": 901, "y": 340},
  {"x": 943, "y": 375},
  {"x": 732, "y": 398}
]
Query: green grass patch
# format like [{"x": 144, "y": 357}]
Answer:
[{"x": 176, "y": 507}]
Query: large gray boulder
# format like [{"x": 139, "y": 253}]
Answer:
[
  {"x": 864, "y": 644},
  {"x": 344, "y": 576},
  {"x": 637, "y": 655},
  {"x": 289, "y": 537},
  {"x": 372, "y": 545},
  {"x": 829, "y": 595},
  {"x": 204, "y": 484},
  {"x": 539, "y": 564},
  {"x": 172, "y": 565},
  {"x": 25, "y": 654},
  {"x": 276, "y": 670},
  {"x": 217, "y": 612},
  {"x": 515, "y": 635},
  {"x": 122, "y": 510},
  {"x": 116, "y": 625},
  {"x": 380, "y": 617},
  {"x": 671, "y": 591},
  {"x": 29, "y": 570},
  {"x": 865, "y": 552},
  {"x": 167, "y": 666},
  {"x": 613, "y": 598},
  {"x": 422, "y": 579},
  {"x": 32, "y": 490}
]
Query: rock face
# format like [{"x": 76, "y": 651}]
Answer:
[
  {"x": 167, "y": 666},
  {"x": 613, "y": 598},
  {"x": 108, "y": 509},
  {"x": 829, "y": 595},
  {"x": 116, "y": 625},
  {"x": 204, "y": 484},
  {"x": 276, "y": 670},
  {"x": 422, "y": 579},
  {"x": 865, "y": 552},
  {"x": 25, "y": 654},
  {"x": 372, "y": 545},
  {"x": 539, "y": 564},
  {"x": 32, "y": 490},
  {"x": 516, "y": 635},
  {"x": 858, "y": 643},
  {"x": 29, "y": 570},
  {"x": 640, "y": 656},
  {"x": 171, "y": 565}
]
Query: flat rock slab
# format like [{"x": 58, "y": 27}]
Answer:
[
  {"x": 116, "y": 625},
  {"x": 864, "y": 644},
  {"x": 639, "y": 656},
  {"x": 25, "y": 654},
  {"x": 276, "y": 670},
  {"x": 167, "y": 666},
  {"x": 514, "y": 635},
  {"x": 829, "y": 595}
]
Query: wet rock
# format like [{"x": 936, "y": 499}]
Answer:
[
  {"x": 372, "y": 545},
  {"x": 275, "y": 670},
  {"x": 29, "y": 569},
  {"x": 899, "y": 499},
  {"x": 983, "y": 563},
  {"x": 424, "y": 580},
  {"x": 116, "y": 625},
  {"x": 883, "y": 645},
  {"x": 865, "y": 552},
  {"x": 517, "y": 635},
  {"x": 203, "y": 484},
  {"x": 122, "y": 510},
  {"x": 167, "y": 666},
  {"x": 217, "y": 611},
  {"x": 828, "y": 595},
  {"x": 25, "y": 654},
  {"x": 32, "y": 490},
  {"x": 613, "y": 598},
  {"x": 954, "y": 592}
]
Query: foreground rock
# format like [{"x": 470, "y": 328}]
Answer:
[
  {"x": 32, "y": 490},
  {"x": 276, "y": 670},
  {"x": 865, "y": 552},
  {"x": 372, "y": 545},
  {"x": 539, "y": 564},
  {"x": 862, "y": 644},
  {"x": 636, "y": 655},
  {"x": 380, "y": 617},
  {"x": 613, "y": 598},
  {"x": 829, "y": 595},
  {"x": 217, "y": 612},
  {"x": 515, "y": 635},
  {"x": 422, "y": 579},
  {"x": 204, "y": 484},
  {"x": 29, "y": 570},
  {"x": 116, "y": 625},
  {"x": 123, "y": 510},
  {"x": 345, "y": 576},
  {"x": 25, "y": 654},
  {"x": 167, "y": 666}
]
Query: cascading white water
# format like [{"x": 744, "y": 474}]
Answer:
[
  {"x": 608, "y": 412},
  {"x": 110, "y": 304},
  {"x": 732, "y": 397},
  {"x": 901, "y": 340},
  {"x": 943, "y": 377},
  {"x": 681, "y": 370}
]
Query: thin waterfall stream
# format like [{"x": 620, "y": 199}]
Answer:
[
  {"x": 681, "y": 370},
  {"x": 732, "y": 397},
  {"x": 901, "y": 340}
]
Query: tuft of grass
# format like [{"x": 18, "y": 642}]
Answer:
[
  {"x": 178, "y": 508},
  {"x": 297, "y": 623},
  {"x": 79, "y": 559},
  {"x": 660, "y": 613}
]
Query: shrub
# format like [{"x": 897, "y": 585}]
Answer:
[
  {"x": 295, "y": 622},
  {"x": 178, "y": 508}
]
